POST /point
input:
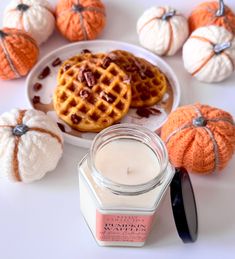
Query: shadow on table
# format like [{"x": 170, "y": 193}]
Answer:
[{"x": 216, "y": 211}]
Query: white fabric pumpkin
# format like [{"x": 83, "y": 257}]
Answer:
[
  {"x": 30, "y": 145},
  {"x": 33, "y": 16},
  {"x": 162, "y": 30},
  {"x": 209, "y": 54}
]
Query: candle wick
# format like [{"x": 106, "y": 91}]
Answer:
[{"x": 128, "y": 170}]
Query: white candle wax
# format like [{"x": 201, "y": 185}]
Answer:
[
  {"x": 127, "y": 162},
  {"x": 119, "y": 197}
]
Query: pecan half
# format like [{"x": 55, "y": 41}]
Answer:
[{"x": 45, "y": 72}]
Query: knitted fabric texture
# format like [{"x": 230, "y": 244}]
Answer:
[
  {"x": 162, "y": 30},
  {"x": 200, "y": 138},
  {"x": 209, "y": 54},
  {"x": 30, "y": 145},
  {"x": 80, "y": 19},
  {"x": 18, "y": 53},
  {"x": 205, "y": 14},
  {"x": 33, "y": 16}
]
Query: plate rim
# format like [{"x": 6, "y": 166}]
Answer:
[{"x": 85, "y": 143}]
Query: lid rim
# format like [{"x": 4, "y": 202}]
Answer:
[{"x": 178, "y": 207}]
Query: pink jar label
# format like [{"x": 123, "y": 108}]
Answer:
[{"x": 122, "y": 227}]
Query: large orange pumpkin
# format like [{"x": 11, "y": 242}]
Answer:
[
  {"x": 18, "y": 53},
  {"x": 212, "y": 13},
  {"x": 200, "y": 138},
  {"x": 80, "y": 19}
]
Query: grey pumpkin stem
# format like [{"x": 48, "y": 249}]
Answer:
[
  {"x": 2, "y": 34},
  {"x": 23, "y": 7},
  {"x": 20, "y": 129},
  {"x": 77, "y": 8},
  {"x": 221, "y": 11},
  {"x": 168, "y": 15},
  {"x": 218, "y": 48}
]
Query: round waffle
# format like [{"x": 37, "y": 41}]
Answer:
[
  {"x": 148, "y": 83},
  {"x": 94, "y": 58},
  {"x": 91, "y": 97}
]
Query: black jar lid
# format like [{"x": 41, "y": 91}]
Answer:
[{"x": 184, "y": 206}]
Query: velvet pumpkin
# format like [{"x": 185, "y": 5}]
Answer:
[
  {"x": 18, "y": 53},
  {"x": 200, "y": 138}
]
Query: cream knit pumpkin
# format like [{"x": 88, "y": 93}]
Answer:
[
  {"x": 30, "y": 145},
  {"x": 209, "y": 54},
  {"x": 162, "y": 30},
  {"x": 34, "y": 16}
]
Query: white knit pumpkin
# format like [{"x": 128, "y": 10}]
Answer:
[
  {"x": 162, "y": 30},
  {"x": 209, "y": 54},
  {"x": 33, "y": 16},
  {"x": 30, "y": 145}
]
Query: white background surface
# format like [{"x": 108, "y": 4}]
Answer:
[{"x": 43, "y": 220}]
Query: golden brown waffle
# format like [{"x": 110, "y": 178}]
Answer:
[
  {"x": 90, "y": 97},
  {"x": 148, "y": 83},
  {"x": 94, "y": 58}
]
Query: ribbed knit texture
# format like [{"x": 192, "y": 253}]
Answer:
[
  {"x": 28, "y": 157},
  {"x": 199, "y": 149},
  {"x": 35, "y": 17},
  {"x": 85, "y": 23},
  {"x": 200, "y": 58},
  {"x": 205, "y": 14},
  {"x": 163, "y": 37},
  {"x": 18, "y": 54}
]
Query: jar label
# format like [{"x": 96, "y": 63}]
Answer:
[{"x": 122, "y": 227}]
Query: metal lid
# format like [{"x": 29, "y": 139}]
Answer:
[{"x": 184, "y": 206}]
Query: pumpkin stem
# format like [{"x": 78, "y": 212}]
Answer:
[
  {"x": 2, "y": 34},
  {"x": 77, "y": 8},
  {"x": 168, "y": 15},
  {"x": 221, "y": 11},
  {"x": 218, "y": 48},
  {"x": 199, "y": 122},
  {"x": 19, "y": 130},
  {"x": 23, "y": 7}
]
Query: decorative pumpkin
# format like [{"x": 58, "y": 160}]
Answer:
[
  {"x": 80, "y": 19},
  {"x": 30, "y": 145},
  {"x": 212, "y": 13},
  {"x": 18, "y": 53},
  {"x": 200, "y": 138},
  {"x": 209, "y": 54},
  {"x": 162, "y": 30},
  {"x": 33, "y": 16}
]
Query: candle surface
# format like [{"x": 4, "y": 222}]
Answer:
[{"x": 127, "y": 162}]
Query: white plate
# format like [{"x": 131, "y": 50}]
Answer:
[{"x": 169, "y": 102}]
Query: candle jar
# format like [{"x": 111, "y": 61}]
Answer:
[{"x": 122, "y": 180}]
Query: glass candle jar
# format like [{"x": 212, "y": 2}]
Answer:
[{"x": 122, "y": 180}]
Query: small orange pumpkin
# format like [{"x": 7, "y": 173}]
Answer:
[
  {"x": 18, "y": 53},
  {"x": 200, "y": 138},
  {"x": 212, "y": 13},
  {"x": 80, "y": 19}
]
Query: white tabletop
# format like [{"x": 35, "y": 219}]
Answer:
[{"x": 43, "y": 219}]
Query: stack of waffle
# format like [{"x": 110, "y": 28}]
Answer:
[{"x": 95, "y": 91}]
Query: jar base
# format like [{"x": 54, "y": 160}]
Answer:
[{"x": 120, "y": 244}]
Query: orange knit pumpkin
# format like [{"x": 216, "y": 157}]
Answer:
[
  {"x": 212, "y": 13},
  {"x": 18, "y": 53},
  {"x": 200, "y": 138},
  {"x": 80, "y": 19}
]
